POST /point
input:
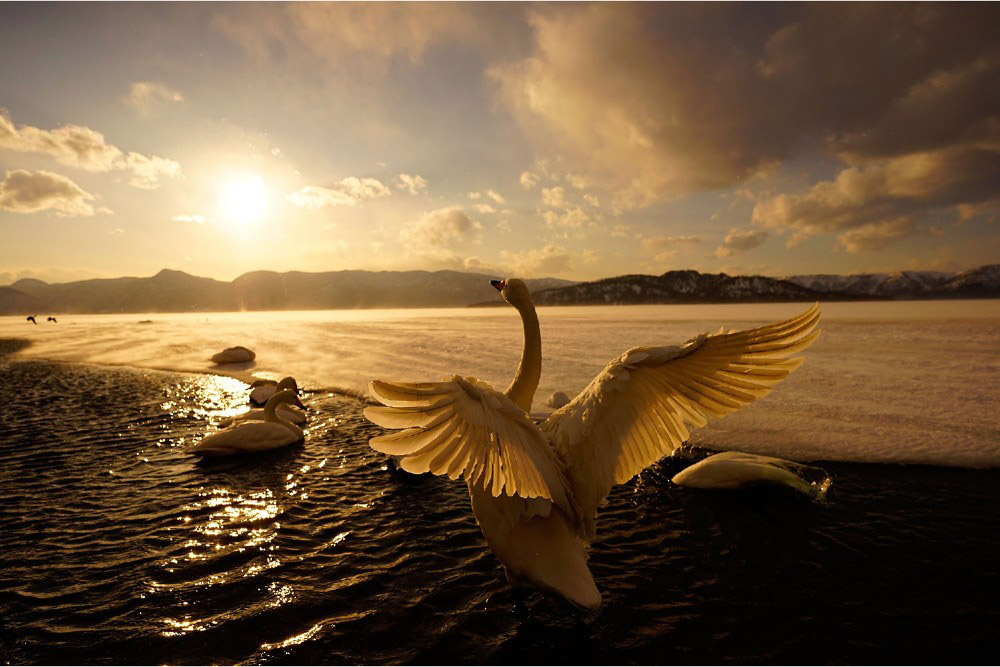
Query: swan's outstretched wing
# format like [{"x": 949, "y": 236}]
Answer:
[
  {"x": 465, "y": 427},
  {"x": 638, "y": 408}
]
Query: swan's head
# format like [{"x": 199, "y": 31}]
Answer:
[
  {"x": 514, "y": 292},
  {"x": 288, "y": 383},
  {"x": 284, "y": 396}
]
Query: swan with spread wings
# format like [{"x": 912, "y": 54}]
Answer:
[{"x": 536, "y": 489}]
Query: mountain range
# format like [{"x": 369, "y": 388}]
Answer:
[{"x": 176, "y": 291}]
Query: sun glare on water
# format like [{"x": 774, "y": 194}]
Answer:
[{"x": 244, "y": 200}]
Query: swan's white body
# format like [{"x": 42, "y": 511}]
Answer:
[
  {"x": 254, "y": 436},
  {"x": 262, "y": 390},
  {"x": 535, "y": 489},
  {"x": 734, "y": 470},
  {"x": 257, "y": 414}
]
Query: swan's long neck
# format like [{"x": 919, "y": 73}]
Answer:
[
  {"x": 522, "y": 389},
  {"x": 269, "y": 412}
]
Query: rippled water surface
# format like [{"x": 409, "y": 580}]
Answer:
[{"x": 118, "y": 547}]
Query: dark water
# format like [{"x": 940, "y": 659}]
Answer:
[{"x": 117, "y": 547}]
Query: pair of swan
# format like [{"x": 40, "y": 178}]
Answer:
[
  {"x": 535, "y": 489},
  {"x": 247, "y": 436},
  {"x": 262, "y": 390}
]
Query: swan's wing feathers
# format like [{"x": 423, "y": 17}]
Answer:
[
  {"x": 463, "y": 427},
  {"x": 640, "y": 407}
]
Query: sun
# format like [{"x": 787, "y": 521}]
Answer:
[{"x": 244, "y": 200}]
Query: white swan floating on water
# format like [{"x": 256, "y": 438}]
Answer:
[
  {"x": 736, "y": 470},
  {"x": 257, "y": 414},
  {"x": 254, "y": 436},
  {"x": 262, "y": 390},
  {"x": 535, "y": 489}
]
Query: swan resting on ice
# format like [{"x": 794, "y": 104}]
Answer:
[
  {"x": 262, "y": 390},
  {"x": 535, "y": 489},
  {"x": 254, "y": 436},
  {"x": 734, "y": 470}
]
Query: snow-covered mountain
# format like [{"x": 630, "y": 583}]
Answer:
[
  {"x": 909, "y": 284},
  {"x": 680, "y": 287}
]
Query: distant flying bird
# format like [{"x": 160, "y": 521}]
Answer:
[
  {"x": 31, "y": 318},
  {"x": 262, "y": 390},
  {"x": 535, "y": 489},
  {"x": 254, "y": 436},
  {"x": 52, "y": 319}
]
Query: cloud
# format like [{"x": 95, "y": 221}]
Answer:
[
  {"x": 484, "y": 208},
  {"x": 83, "y": 148},
  {"x": 876, "y": 235},
  {"x": 666, "y": 256},
  {"x": 573, "y": 218},
  {"x": 495, "y": 196},
  {"x": 475, "y": 196},
  {"x": 547, "y": 261},
  {"x": 529, "y": 180},
  {"x": 667, "y": 242},
  {"x": 196, "y": 218},
  {"x": 350, "y": 191},
  {"x": 147, "y": 96},
  {"x": 884, "y": 192},
  {"x": 412, "y": 184},
  {"x": 365, "y": 35},
  {"x": 554, "y": 197},
  {"x": 25, "y": 192},
  {"x": 648, "y": 108},
  {"x": 737, "y": 242},
  {"x": 441, "y": 228},
  {"x": 364, "y": 188},
  {"x": 316, "y": 197},
  {"x": 592, "y": 200}
]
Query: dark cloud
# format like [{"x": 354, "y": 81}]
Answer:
[
  {"x": 657, "y": 100},
  {"x": 739, "y": 241},
  {"x": 885, "y": 191},
  {"x": 25, "y": 192}
]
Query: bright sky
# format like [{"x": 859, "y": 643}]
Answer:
[{"x": 570, "y": 140}]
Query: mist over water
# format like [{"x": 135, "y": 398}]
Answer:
[{"x": 911, "y": 382}]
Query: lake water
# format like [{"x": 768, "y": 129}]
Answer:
[{"x": 118, "y": 547}]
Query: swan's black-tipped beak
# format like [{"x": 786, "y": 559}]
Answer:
[{"x": 499, "y": 284}]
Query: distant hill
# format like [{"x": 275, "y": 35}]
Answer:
[
  {"x": 681, "y": 287},
  {"x": 16, "y": 301},
  {"x": 175, "y": 291}
]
